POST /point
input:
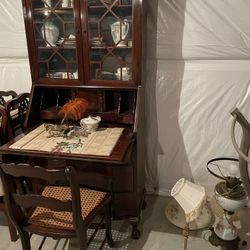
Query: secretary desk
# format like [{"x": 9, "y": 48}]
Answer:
[{"x": 90, "y": 49}]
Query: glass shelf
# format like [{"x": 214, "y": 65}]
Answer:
[
  {"x": 49, "y": 10},
  {"x": 113, "y": 7},
  {"x": 57, "y": 47},
  {"x": 110, "y": 47}
]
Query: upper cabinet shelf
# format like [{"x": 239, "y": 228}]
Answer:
[
  {"x": 50, "y": 9},
  {"x": 113, "y": 7},
  {"x": 109, "y": 3},
  {"x": 87, "y": 42}
]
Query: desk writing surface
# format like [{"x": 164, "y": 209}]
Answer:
[{"x": 122, "y": 137}]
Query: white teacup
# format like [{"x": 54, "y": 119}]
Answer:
[
  {"x": 75, "y": 75},
  {"x": 124, "y": 71},
  {"x": 90, "y": 123}
]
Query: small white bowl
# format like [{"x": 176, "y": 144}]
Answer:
[{"x": 90, "y": 123}]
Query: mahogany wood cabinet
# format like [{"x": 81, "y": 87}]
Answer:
[{"x": 90, "y": 49}]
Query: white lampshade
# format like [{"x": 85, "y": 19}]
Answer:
[{"x": 190, "y": 197}]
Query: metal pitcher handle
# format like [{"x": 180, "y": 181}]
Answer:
[{"x": 126, "y": 27}]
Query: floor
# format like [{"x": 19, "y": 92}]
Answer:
[{"x": 157, "y": 233}]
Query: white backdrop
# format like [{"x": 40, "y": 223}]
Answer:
[
  {"x": 14, "y": 63},
  {"x": 198, "y": 69}
]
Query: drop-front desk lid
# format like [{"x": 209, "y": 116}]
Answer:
[{"x": 109, "y": 144}]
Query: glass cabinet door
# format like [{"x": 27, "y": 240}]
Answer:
[
  {"x": 109, "y": 25},
  {"x": 55, "y": 38}
]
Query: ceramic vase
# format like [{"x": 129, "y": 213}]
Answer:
[
  {"x": 119, "y": 31},
  {"x": 50, "y": 33}
]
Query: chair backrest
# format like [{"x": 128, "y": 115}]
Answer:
[
  {"x": 16, "y": 113},
  {"x": 6, "y": 95},
  {"x": 12, "y": 176},
  {"x": 3, "y": 125}
]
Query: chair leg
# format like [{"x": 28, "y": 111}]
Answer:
[
  {"x": 83, "y": 242},
  {"x": 108, "y": 226},
  {"x": 12, "y": 229},
  {"x": 25, "y": 240}
]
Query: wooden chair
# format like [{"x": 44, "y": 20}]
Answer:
[
  {"x": 16, "y": 112},
  {"x": 6, "y": 95},
  {"x": 3, "y": 124},
  {"x": 3, "y": 120},
  {"x": 12, "y": 114},
  {"x": 58, "y": 211}
]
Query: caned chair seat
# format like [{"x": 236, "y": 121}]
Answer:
[
  {"x": 90, "y": 199},
  {"x": 59, "y": 211}
]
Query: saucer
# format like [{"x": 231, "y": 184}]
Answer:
[
  {"x": 121, "y": 45},
  {"x": 125, "y": 77}
]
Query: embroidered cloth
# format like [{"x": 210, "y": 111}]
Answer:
[{"x": 100, "y": 142}]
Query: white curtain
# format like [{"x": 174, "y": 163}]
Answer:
[
  {"x": 198, "y": 69},
  {"x": 14, "y": 63}
]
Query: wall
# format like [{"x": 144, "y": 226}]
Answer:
[
  {"x": 14, "y": 64},
  {"x": 198, "y": 70}
]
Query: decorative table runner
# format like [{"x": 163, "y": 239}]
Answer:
[{"x": 101, "y": 142}]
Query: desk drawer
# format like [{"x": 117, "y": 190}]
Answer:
[
  {"x": 105, "y": 176},
  {"x": 56, "y": 163},
  {"x": 95, "y": 175},
  {"x": 48, "y": 163}
]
